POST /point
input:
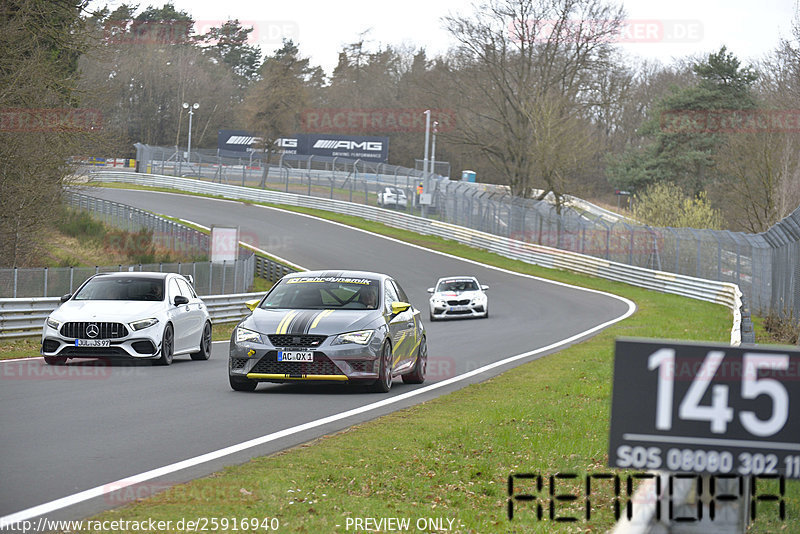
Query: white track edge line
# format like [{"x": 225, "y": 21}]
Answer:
[
  {"x": 197, "y": 460},
  {"x": 99, "y": 491}
]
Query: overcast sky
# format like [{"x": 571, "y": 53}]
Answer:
[{"x": 664, "y": 30}]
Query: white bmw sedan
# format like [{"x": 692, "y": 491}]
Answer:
[
  {"x": 458, "y": 296},
  {"x": 133, "y": 315}
]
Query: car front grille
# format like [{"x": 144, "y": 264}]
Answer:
[
  {"x": 92, "y": 352},
  {"x": 462, "y": 302},
  {"x": 289, "y": 340},
  {"x": 104, "y": 330},
  {"x": 322, "y": 365}
]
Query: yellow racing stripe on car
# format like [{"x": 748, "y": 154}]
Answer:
[
  {"x": 416, "y": 345},
  {"x": 270, "y": 376},
  {"x": 319, "y": 317},
  {"x": 284, "y": 324},
  {"x": 397, "y": 345}
]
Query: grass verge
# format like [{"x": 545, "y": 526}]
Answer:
[{"x": 449, "y": 459}]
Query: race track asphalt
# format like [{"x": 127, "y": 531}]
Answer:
[{"x": 65, "y": 430}]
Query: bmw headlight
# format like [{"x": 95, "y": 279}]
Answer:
[
  {"x": 247, "y": 335},
  {"x": 361, "y": 337},
  {"x": 144, "y": 323},
  {"x": 52, "y": 323}
]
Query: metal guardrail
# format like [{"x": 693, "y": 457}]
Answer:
[
  {"x": 25, "y": 317},
  {"x": 765, "y": 266},
  {"x": 270, "y": 270},
  {"x": 725, "y": 293}
]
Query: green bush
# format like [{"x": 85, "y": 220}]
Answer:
[
  {"x": 79, "y": 224},
  {"x": 665, "y": 204}
]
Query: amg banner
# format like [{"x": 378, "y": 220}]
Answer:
[{"x": 369, "y": 148}]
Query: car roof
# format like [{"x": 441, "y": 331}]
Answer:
[
  {"x": 339, "y": 274},
  {"x": 137, "y": 274},
  {"x": 457, "y": 278}
]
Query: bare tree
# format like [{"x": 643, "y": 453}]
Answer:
[
  {"x": 39, "y": 47},
  {"x": 517, "y": 58},
  {"x": 759, "y": 180},
  {"x": 272, "y": 106}
]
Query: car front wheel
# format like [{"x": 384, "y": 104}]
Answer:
[
  {"x": 167, "y": 346},
  {"x": 242, "y": 384},
  {"x": 384, "y": 382},
  {"x": 55, "y": 360},
  {"x": 205, "y": 344},
  {"x": 417, "y": 376}
]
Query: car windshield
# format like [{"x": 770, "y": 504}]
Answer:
[
  {"x": 324, "y": 293},
  {"x": 457, "y": 285},
  {"x": 122, "y": 288}
]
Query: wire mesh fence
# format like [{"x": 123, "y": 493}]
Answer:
[
  {"x": 766, "y": 266},
  {"x": 209, "y": 278}
]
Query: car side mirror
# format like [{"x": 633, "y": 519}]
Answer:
[
  {"x": 65, "y": 298},
  {"x": 180, "y": 299},
  {"x": 485, "y": 288},
  {"x": 251, "y": 304},
  {"x": 399, "y": 307},
  {"x": 430, "y": 290}
]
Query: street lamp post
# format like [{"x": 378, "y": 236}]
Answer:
[
  {"x": 433, "y": 147},
  {"x": 425, "y": 159},
  {"x": 191, "y": 109}
]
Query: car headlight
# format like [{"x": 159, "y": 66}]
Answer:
[
  {"x": 144, "y": 323},
  {"x": 52, "y": 323},
  {"x": 480, "y": 299},
  {"x": 244, "y": 334},
  {"x": 361, "y": 337}
]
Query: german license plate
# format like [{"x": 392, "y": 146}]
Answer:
[
  {"x": 295, "y": 356},
  {"x": 458, "y": 308},
  {"x": 92, "y": 342}
]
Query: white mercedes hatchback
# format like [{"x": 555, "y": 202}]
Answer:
[{"x": 132, "y": 315}]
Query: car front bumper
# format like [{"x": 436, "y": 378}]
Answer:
[
  {"x": 455, "y": 312},
  {"x": 332, "y": 363},
  {"x": 139, "y": 346}
]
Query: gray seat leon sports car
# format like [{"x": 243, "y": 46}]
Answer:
[{"x": 330, "y": 326}]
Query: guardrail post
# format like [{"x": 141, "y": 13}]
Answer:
[
  {"x": 15, "y": 282},
  {"x": 235, "y": 276},
  {"x": 223, "y": 276}
]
